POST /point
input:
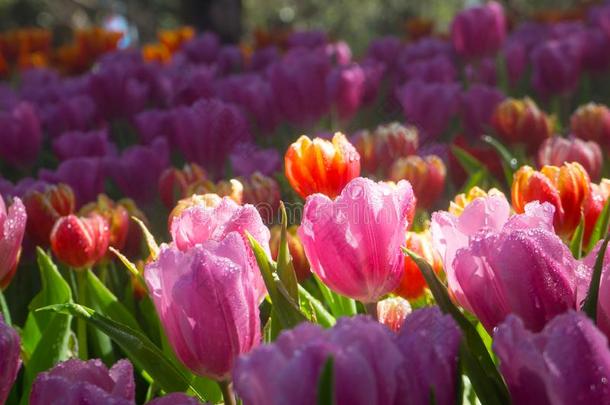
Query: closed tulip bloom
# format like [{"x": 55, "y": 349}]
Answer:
[
  {"x": 483, "y": 250},
  {"x": 594, "y": 205},
  {"x": 321, "y": 166},
  {"x": 76, "y": 382},
  {"x": 247, "y": 158},
  {"x": 220, "y": 326},
  {"x": 412, "y": 284},
  {"x": 426, "y": 175},
  {"x": 392, "y": 312},
  {"x": 84, "y": 175},
  {"x": 521, "y": 121},
  {"x": 264, "y": 193},
  {"x": 591, "y": 122},
  {"x": 567, "y": 363},
  {"x": 12, "y": 225},
  {"x": 295, "y": 247},
  {"x": 479, "y": 31},
  {"x": 233, "y": 189},
  {"x": 21, "y": 139},
  {"x": 115, "y": 214},
  {"x": 10, "y": 360},
  {"x": 556, "y": 151},
  {"x": 566, "y": 188},
  {"x": 353, "y": 243},
  {"x": 44, "y": 208},
  {"x": 460, "y": 201},
  {"x": 477, "y": 106},
  {"x": 83, "y": 144},
  {"x": 556, "y": 67},
  {"x": 174, "y": 183},
  {"x": 80, "y": 242},
  {"x": 345, "y": 87}
]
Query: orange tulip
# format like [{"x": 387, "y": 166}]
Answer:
[
  {"x": 566, "y": 187},
  {"x": 295, "y": 247},
  {"x": 591, "y": 122},
  {"x": 412, "y": 284},
  {"x": 426, "y": 175},
  {"x": 264, "y": 193},
  {"x": 321, "y": 166},
  {"x": 115, "y": 215},
  {"x": 521, "y": 121}
]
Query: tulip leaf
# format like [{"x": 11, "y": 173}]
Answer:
[
  {"x": 339, "y": 305},
  {"x": 133, "y": 270},
  {"x": 326, "y": 392},
  {"x": 144, "y": 353},
  {"x": 590, "y": 305},
  {"x": 285, "y": 268},
  {"x": 322, "y": 316},
  {"x": 4, "y": 311},
  {"x": 287, "y": 309},
  {"x": 509, "y": 162},
  {"x": 577, "y": 237},
  {"x": 600, "y": 229},
  {"x": 476, "y": 360},
  {"x": 470, "y": 163},
  {"x": 474, "y": 179},
  {"x": 153, "y": 248}
]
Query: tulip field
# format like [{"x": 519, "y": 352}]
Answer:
[{"x": 281, "y": 221}]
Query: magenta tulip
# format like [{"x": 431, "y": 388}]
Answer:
[
  {"x": 12, "y": 227},
  {"x": 479, "y": 31},
  {"x": 76, "y": 382},
  {"x": 207, "y": 303},
  {"x": 555, "y": 151},
  {"x": 353, "y": 243},
  {"x": 10, "y": 360},
  {"x": 567, "y": 363},
  {"x": 497, "y": 265}
]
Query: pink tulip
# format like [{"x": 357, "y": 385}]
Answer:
[
  {"x": 353, "y": 243},
  {"x": 10, "y": 362},
  {"x": 555, "y": 151},
  {"x": 207, "y": 303},
  {"x": 497, "y": 265},
  {"x": 567, "y": 363},
  {"x": 12, "y": 227}
]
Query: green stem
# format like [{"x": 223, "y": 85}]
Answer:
[
  {"x": 227, "y": 392},
  {"x": 81, "y": 324},
  {"x": 4, "y": 309}
]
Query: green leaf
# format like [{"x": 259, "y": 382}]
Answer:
[
  {"x": 136, "y": 345},
  {"x": 129, "y": 266},
  {"x": 339, "y": 305},
  {"x": 576, "y": 242},
  {"x": 475, "y": 179},
  {"x": 476, "y": 360},
  {"x": 590, "y": 304},
  {"x": 288, "y": 311},
  {"x": 153, "y": 248},
  {"x": 104, "y": 301},
  {"x": 470, "y": 163},
  {"x": 326, "y": 392},
  {"x": 600, "y": 230},
  {"x": 510, "y": 162},
  {"x": 285, "y": 268},
  {"x": 322, "y": 316}
]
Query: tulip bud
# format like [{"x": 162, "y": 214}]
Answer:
[
  {"x": 174, "y": 183},
  {"x": 264, "y": 193},
  {"x": 479, "y": 31},
  {"x": 115, "y": 215},
  {"x": 231, "y": 188},
  {"x": 393, "y": 141},
  {"x": 10, "y": 362},
  {"x": 11, "y": 235},
  {"x": 80, "y": 242},
  {"x": 426, "y": 175},
  {"x": 209, "y": 200},
  {"x": 556, "y": 66},
  {"x": 295, "y": 247},
  {"x": 593, "y": 206},
  {"x": 592, "y": 122},
  {"x": 566, "y": 188},
  {"x": 321, "y": 166},
  {"x": 45, "y": 208},
  {"x": 556, "y": 151},
  {"x": 392, "y": 312},
  {"x": 412, "y": 283},
  {"x": 521, "y": 121},
  {"x": 456, "y": 207}
]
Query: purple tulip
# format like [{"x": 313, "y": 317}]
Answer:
[
  {"x": 76, "y": 382},
  {"x": 496, "y": 264},
  {"x": 137, "y": 170},
  {"x": 203, "y": 48},
  {"x": 151, "y": 124},
  {"x": 482, "y": 72},
  {"x": 429, "y": 106},
  {"x": 556, "y": 67},
  {"x": 555, "y": 151},
  {"x": 384, "y": 50},
  {"x": 478, "y": 104},
  {"x": 353, "y": 243},
  {"x": 567, "y": 363},
  {"x": 516, "y": 56},
  {"x": 220, "y": 325},
  {"x": 371, "y": 365},
  {"x": 373, "y": 75},
  {"x": 83, "y": 144},
  {"x": 74, "y": 113},
  {"x": 479, "y": 31},
  {"x": 345, "y": 87},
  {"x": 438, "y": 69},
  {"x": 307, "y": 39},
  {"x": 425, "y": 48},
  {"x": 248, "y": 158},
  {"x": 190, "y": 84},
  {"x": 230, "y": 60},
  {"x": 596, "y": 52},
  {"x": 21, "y": 138},
  {"x": 599, "y": 16},
  {"x": 85, "y": 175},
  {"x": 10, "y": 360}
]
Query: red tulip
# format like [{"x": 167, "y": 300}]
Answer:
[
  {"x": 45, "y": 208},
  {"x": 80, "y": 242},
  {"x": 426, "y": 175},
  {"x": 592, "y": 122}
]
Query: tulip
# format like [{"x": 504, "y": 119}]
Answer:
[
  {"x": 174, "y": 183},
  {"x": 460, "y": 201},
  {"x": 84, "y": 175},
  {"x": 222, "y": 325},
  {"x": 478, "y": 104},
  {"x": 388, "y": 367},
  {"x": 295, "y": 247},
  {"x": 83, "y": 144},
  {"x": 521, "y": 121},
  {"x": 556, "y": 67},
  {"x": 566, "y": 188},
  {"x": 593, "y": 206},
  {"x": 44, "y": 208},
  {"x": 345, "y": 87},
  {"x": 385, "y": 145},
  {"x": 412, "y": 283},
  {"x": 482, "y": 251},
  {"x": 10, "y": 361},
  {"x": 556, "y": 151},
  {"x": 392, "y": 312},
  {"x": 233, "y": 189},
  {"x": 264, "y": 193},
  {"x": 21, "y": 138},
  {"x": 209, "y": 200},
  {"x": 568, "y": 362},
  {"x": 115, "y": 215},
  {"x": 74, "y": 382},
  {"x": 353, "y": 243},
  {"x": 591, "y": 122},
  {"x": 246, "y": 159},
  {"x": 321, "y": 166},
  {"x": 479, "y": 31},
  {"x": 436, "y": 69},
  {"x": 12, "y": 222},
  {"x": 80, "y": 242},
  {"x": 426, "y": 175}
]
